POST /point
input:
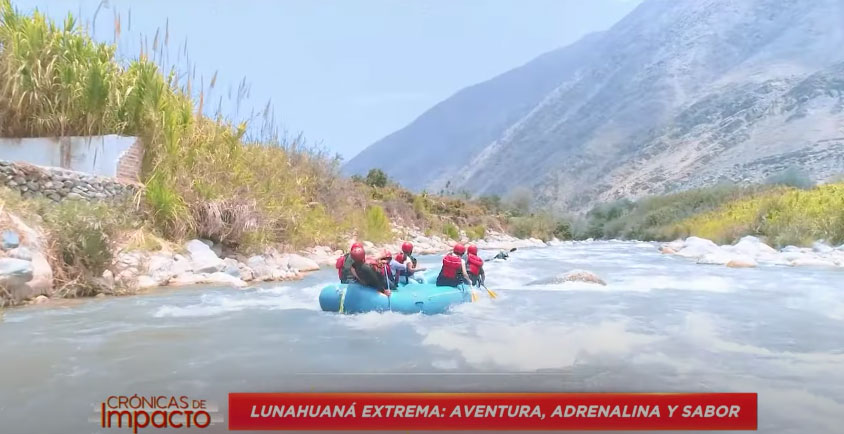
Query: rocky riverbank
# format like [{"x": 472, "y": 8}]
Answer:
[
  {"x": 26, "y": 275},
  {"x": 750, "y": 251}
]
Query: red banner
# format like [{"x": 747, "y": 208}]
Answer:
[{"x": 492, "y": 411}]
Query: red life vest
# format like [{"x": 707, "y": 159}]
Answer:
[
  {"x": 452, "y": 266},
  {"x": 474, "y": 265},
  {"x": 339, "y": 265}
]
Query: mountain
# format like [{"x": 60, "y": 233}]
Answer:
[{"x": 678, "y": 94}]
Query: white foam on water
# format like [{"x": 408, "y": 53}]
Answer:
[
  {"x": 275, "y": 298},
  {"x": 535, "y": 345}
]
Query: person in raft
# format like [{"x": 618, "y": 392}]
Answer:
[
  {"x": 365, "y": 272},
  {"x": 405, "y": 263},
  {"x": 453, "y": 272},
  {"x": 344, "y": 265},
  {"x": 383, "y": 266},
  {"x": 475, "y": 266}
]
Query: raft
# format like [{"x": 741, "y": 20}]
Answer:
[{"x": 414, "y": 297}]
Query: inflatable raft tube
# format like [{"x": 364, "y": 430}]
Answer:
[{"x": 413, "y": 298}]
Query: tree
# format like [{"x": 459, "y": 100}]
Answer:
[{"x": 376, "y": 178}]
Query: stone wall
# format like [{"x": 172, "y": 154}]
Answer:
[{"x": 59, "y": 184}]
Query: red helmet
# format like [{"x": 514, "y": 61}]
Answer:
[
  {"x": 400, "y": 258},
  {"x": 358, "y": 254},
  {"x": 473, "y": 249},
  {"x": 407, "y": 247},
  {"x": 356, "y": 245},
  {"x": 385, "y": 254},
  {"x": 459, "y": 249}
]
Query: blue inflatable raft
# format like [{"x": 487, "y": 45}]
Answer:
[{"x": 414, "y": 297}]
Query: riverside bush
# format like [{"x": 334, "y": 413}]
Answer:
[{"x": 783, "y": 216}]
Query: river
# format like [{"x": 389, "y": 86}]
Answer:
[{"x": 662, "y": 324}]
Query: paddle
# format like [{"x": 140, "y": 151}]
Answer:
[{"x": 489, "y": 291}]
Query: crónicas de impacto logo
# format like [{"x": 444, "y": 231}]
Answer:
[{"x": 164, "y": 411}]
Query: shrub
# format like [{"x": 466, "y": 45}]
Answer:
[
  {"x": 81, "y": 235},
  {"x": 376, "y": 226},
  {"x": 451, "y": 231},
  {"x": 376, "y": 178},
  {"x": 783, "y": 215},
  {"x": 476, "y": 232}
]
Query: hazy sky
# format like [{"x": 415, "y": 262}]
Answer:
[{"x": 348, "y": 72}]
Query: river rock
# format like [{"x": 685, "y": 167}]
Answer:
[
  {"x": 41, "y": 299},
  {"x": 301, "y": 263},
  {"x": 14, "y": 274},
  {"x": 261, "y": 269},
  {"x": 742, "y": 262},
  {"x": 220, "y": 278},
  {"x": 42, "y": 275},
  {"x": 147, "y": 282},
  {"x": 160, "y": 268},
  {"x": 186, "y": 279},
  {"x": 753, "y": 247},
  {"x": 667, "y": 250},
  {"x": 571, "y": 276},
  {"x": 108, "y": 279},
  {"x": 246, "y": 273},
  {"x": 821, "y": 247},
  {"x": 11, "y": 239},
  {"x": 231, "y": 267},
  {"x": 203, "y": 258},
  {"x": 718, "y": 257},
  {"x": 21, "y": 253},
  {"x": 696, "y": 247},
  {"x": 14, "y": 270}
]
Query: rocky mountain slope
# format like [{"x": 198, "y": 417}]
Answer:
[{"x": 678, "y": 94}]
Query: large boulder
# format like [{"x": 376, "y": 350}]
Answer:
[
  {"x": 203, "y": 258},
  {"x": 301, "y": 263},
  {"x": 571, "y": 276},
  {"x": 695, "y": 247},
  {"x": 160, "y": 269},
  {"x": 261, "y": 269},
  {"x": 753, "y": 247}
]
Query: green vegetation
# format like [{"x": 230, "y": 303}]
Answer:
[
  {"x": 783, "y": 216},
  {"x": 79, "y": 236},
  {"x": 376, "y": 178},
  {"x": 655, "y": 218},
  {"x": 476, "y": 232},
  {"x": 783, "y": 211},
  {"x": 451, "y": 231},
  {"x": 377, "y": 226},
  {"x": 204, "y": 177}
]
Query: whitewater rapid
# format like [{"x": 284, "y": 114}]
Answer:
[{"x": 662, "y": 323}]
